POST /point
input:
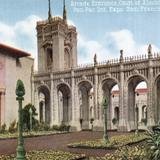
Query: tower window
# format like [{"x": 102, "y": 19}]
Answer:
[
  {"x": 67, "y": 58},
  {"x": 49, "y": 56}
]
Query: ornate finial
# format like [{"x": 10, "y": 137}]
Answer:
[
  {"x": 121, "y": 56},
  {"x": 49, "y": 11},
  {"x": 105, "y": 103},
  {"x": 64, "y": 12},
  {"x": 95, "y": 59},
  {"x": 150, "y": 51},
  {"x": 20, "y": 91}
]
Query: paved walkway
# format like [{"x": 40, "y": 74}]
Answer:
[{"x": 56, "y": 142}]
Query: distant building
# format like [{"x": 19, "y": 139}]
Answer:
[
  {"x": 14, "y": 64},
  {"x": 140, "y": 102}
]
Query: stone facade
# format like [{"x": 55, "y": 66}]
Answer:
[
  {"x": 14, "y": 65},
  {"x": 141, "y": 103},
  {"x": 66, "y": 87}
]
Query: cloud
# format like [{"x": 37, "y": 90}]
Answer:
[
  {"x": 21, "y": 35},
  {"x": 109, "y": 47}
]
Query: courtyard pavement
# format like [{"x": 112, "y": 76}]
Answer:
[{"x": 56, "y": 142}]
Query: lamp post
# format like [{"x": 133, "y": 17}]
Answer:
[
  {"x": 105, "y": 105},
  {"x": 136, "y": 112},
  {"x": 30, "y": 114},
  {"x": 20, "y": 92},
  {"x": 137, "y": 131}
]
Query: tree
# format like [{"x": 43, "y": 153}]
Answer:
[{"x": 26, "y": 116}]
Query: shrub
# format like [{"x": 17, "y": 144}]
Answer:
[
  {"x": 12, "y": 128},
  {"x": 144, "y": 120},
  {"x": 3, "y": 128},
  {"x": 55, "y": 127},
  {"x": 91, "y": 120},
  {"x": 154, "y": 143},
  {"x": 26, "y": 116},
  {"x": 62, "y": 127},
  {"x": 114, "y": 120},
  {"x": 44, "y": 126}
]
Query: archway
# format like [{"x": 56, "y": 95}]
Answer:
[
  {"x": 137, "y": 93},
  {"x": 144, "y": 115},
  {"x": 111, "y": 92},
  {"x": 157, "y": 100},
  {"x": 64, "y": 103},
  {"x": 85, "y": 102},
  {"x": 44, "y": 104}
]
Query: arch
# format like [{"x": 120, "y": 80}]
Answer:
[
  {"x": 116, "y": 113},
  {"x": 137, "y": 75},
  {"x": 156, "y": 99},
  {"x": 64, "y": 103},
  {"x": 144, "y": 112},
  {"x": 41, "y": 111},
  {"x": 84, "y": 91},
  {"x": 107, "y": 86},
  {"x": 44, "y": 90},
  {"x": 110, "y": 78},
  {"x": 133, "y": 95},
  {"x": 85, "y": 81}
]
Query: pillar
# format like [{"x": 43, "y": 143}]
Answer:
[
  {"x": 51, "y": 100},
  {"x": 72, "y": 96},
  {"x": 95, "y": 89},
  {"x": 122, "y": 97},
  {"x": 150, "y": 107}
]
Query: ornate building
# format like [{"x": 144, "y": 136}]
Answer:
[{"x": 62, "y": 88}]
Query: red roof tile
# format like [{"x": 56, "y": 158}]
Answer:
[
  {"x": 140, "y": 90},
  {"x": 13, "y": 51}
]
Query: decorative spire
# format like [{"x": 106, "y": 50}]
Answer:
[
  {"x": 49, "y": 11},
  {"x": 95, "y": 59},
  {"x": 150, "y": 51},
  {"x": 121, "y": 56},
  {"x": 64, "y": 12}
]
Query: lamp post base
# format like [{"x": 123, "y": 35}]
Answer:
[
  {"x": 105, "y": 138},
  {"x": 21, "y": 153}
]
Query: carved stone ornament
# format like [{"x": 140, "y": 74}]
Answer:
[
  {"x": 62, "y": 80},
  {"x": 42, "y": 82},
  {"x": 84, "y": 77},
  {"x": 135, "y": 71},
  {"x": 108, "y": 75}
]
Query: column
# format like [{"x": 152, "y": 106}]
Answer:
[
  {"x": 95, "y": 91},
  {"x": 55, "y": 104},
  {"x": 150, "y": 108},
  {"x": 51, "y": 100},
  {"x": 122, "y": 97},
  {"x": 36, "y": 102},
  {"x": 72, "y": 96}
]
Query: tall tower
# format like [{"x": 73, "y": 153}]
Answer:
[{"x": 57, "y": 43}]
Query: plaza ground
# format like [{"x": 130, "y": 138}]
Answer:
[{"x": 57, "y": 142}]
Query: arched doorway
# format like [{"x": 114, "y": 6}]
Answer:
[
  {"x": 44, "y": 104},
  {"x": 144, "y": 115},
  {"x": 137, "y": 92},
  {"x": 111, "y": 92},
  {"x": 64, "y": 103},
  {"x": 85, "y": 102},
  {"x": 157, "y": 100}
]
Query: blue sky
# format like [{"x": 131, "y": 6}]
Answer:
[{"x": 101, "y": 33}]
